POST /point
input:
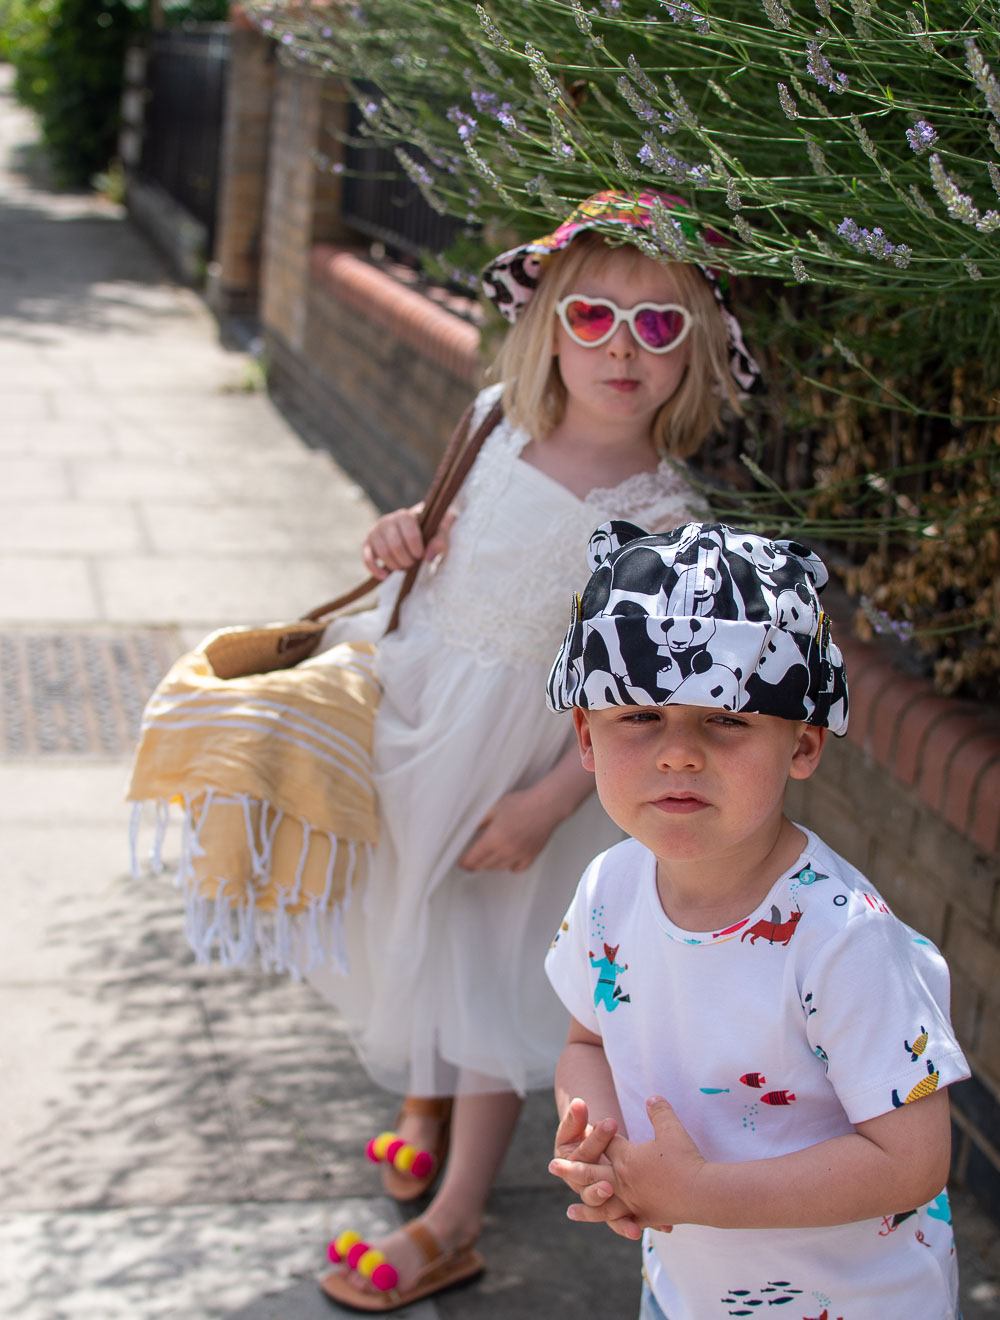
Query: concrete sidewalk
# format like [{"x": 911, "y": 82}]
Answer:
[{"x": 176, "y": 1141}]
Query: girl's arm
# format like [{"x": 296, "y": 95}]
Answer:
[
  {"x": 888, "y": 1165},
  {"x": 517, "y": 827}
]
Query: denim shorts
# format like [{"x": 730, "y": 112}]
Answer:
[{"x": 649, "y": 1307}]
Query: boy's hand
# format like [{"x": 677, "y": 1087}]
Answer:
[
  {"x": 576, "y": 1139},
  {"x": 651, "y": 1183},
  {"x": 580, "y": 1144}
]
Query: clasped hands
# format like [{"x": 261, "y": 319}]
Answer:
[{"x": 628, "y": 1185}]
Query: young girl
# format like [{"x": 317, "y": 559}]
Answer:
[{"x": 614, "y": 362}]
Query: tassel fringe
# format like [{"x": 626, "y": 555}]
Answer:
[{"x": 238, "y": 930}]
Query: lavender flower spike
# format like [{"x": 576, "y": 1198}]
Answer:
[{"x": 921, "y": 136}]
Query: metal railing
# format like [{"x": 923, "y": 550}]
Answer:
[
  {"x": 186, "y": 85},
  {"x": 380, "y": 202}
]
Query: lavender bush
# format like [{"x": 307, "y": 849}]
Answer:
[{"x": 850, "y": 152}]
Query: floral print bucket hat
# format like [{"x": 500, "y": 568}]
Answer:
[{"x": 510, "y": 280}]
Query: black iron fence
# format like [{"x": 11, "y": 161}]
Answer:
[
  {"x": 186, "y": 85},
  {"x": 384, "y": 205}
]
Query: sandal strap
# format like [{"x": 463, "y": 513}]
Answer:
[
  {"x": 426, "y": 1106},
  {"x": 425, "y": 1240},
  {"x": 437, "y": 1262}
]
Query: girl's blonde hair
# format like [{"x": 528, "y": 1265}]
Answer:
[{"x": 534, "y": 395}]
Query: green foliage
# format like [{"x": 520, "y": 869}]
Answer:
[
  {"x": 68, "y": 57},
  {"x": 849, "y": 150}
]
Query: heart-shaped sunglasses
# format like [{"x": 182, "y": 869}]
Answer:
[{"x": 658, "y": 327}]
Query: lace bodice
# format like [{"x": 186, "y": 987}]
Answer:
[{"x": 518, "y": 550}]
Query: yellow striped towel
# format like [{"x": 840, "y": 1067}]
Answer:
[{"x": 273, "y": 775}]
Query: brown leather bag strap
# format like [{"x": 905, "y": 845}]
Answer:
[{"x": 452, "y": 470}]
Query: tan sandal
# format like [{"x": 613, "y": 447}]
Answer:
[
  {"x": 408, "y": 1173},
  {"x": 443, "y": 1269}
]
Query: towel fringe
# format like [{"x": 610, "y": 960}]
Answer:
[{"x": 238, "y": 930}]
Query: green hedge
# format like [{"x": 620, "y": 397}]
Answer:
[{"x": 69, "y": 58}]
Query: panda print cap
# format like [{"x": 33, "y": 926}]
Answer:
[{"x": 705, "y": 615}]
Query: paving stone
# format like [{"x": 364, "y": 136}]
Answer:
[
  {"x": 238, "y": 589},
  {"x": 33, "y": 478},
  {"x": 35, "y": 589},
  {"x": 57, "y": 527},
  {"x": 50, "y": 439},
  {"x": 202, "y": 1262}
]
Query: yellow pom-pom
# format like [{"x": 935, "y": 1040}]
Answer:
[
  {"x": 380, "y": 1144},
  {"x": 404, "y": 1158},
  {"x": 346, "y": 1241},
  {"x": 369, "y": 1262}
]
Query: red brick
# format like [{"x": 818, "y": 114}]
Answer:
[
  {"x": 886, "y": 717},
  {"x": 918, "y": 718},
  {"x": 976, "y": 952},
  {"x": 984, "y": 816},
  {"x": 855, "y": 652},
  {"x": 942, "y": 743},
  {"x": 966, "y": 767},
  {"x": 865, "y": 687},
  {"x": 437, "y": 334}
]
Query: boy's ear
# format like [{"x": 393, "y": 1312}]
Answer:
[
  {"x": 808, "y": 750},
  {"x": 582, "y": 725}
]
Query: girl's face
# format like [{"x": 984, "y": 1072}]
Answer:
[{"x": 620, "y": 381}]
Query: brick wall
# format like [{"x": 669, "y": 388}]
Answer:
[
  {"x": 378, "y": 371},
  {"x": 302, "y": 204},
  {"x": 234, "y": 275},
  {"x": 910, "y": 796}
]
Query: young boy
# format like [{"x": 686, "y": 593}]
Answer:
[{"x": 794, "y": 1035}]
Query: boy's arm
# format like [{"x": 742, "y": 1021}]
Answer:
[
  {"x": 888, "y": 1165},
  {"x": 583, "y": 1071},
  {"x": 584, "y": 1086}
]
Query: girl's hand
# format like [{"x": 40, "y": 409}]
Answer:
[
  {"x": 651, "y": 1182},
  {"x": 512, "y": 833},
  {"x": 396, "y": 541}
]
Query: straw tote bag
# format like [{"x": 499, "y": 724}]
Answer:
[{"x": 270, "y": 763}]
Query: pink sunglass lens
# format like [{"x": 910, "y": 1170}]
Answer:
[
  {"x": 658, "y": 329},
  {"x": 589, "y": 321}
]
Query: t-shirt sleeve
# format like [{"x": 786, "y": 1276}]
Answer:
[
  {"x": 877, "y": 1003},
  {"x": 567, "y": 963}
]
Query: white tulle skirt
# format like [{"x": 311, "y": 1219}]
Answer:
[{"x": 445, "y": 990}]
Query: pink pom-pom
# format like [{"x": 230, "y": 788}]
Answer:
[
  {"x": 355, "y": 1254},
  {"x": 385, "y": 1276},
  {"x": 393, "y": 1148},
  {"x": 370, "y": 1151},
  {"x": 423, "y": 1164},
  {"x": 342, "y": 1244}
]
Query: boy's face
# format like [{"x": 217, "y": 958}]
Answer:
[{"x": 695, "y": 783}]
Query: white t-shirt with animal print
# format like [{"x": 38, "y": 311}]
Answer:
[{"x": 817, "y": 1011}]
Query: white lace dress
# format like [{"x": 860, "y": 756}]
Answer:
[{"x": 446, "y": 966}]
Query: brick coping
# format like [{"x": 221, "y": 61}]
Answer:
[
  {"x": 430, "y": 329},
  {"x": 945, "y": 751}
]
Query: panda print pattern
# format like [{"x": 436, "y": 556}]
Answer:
[{"x": 706, "y": 615}]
